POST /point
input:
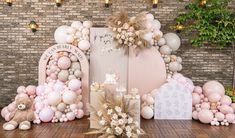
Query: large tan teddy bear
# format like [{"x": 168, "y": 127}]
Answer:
[{"x": 22, "y": 116}]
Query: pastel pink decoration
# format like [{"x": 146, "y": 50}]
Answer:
[
  {"x": 31, "y": 90},
  {"x": 64, "y": 62},
  {"x": 69, "y": 97},
  {"x": 219, "y": 116},
  {"x": 213, "y": 87},
  {"x": 79, "y": 91},
  {"x": 74, "y": 84},
  {"x": 11, "y": 107},
  {"x": 198, "y": 89},
  {"x": 230, "y": 118},
  {"x": 53, "y": 68},
  {"x": 70, "y": 116},
  {"x": 80, "y": 113},
  {"x": 225, "y": 100},
  {"x": 195, "y": 115},
  {"x": 53, "y": 76},
  {"x": 21, "y": 95},
  {"x": 46, "y": 114},
  {"x": 196, "y": 98},
  {"x": 59, "y": 86},
  {"x": 40, "y": 89},
  {"x": 205, "y": 105},
  {"x": 150, "y": 79},
  {"x": 73, "y": 106},
  {"x": 8, "y": 116},
  {"x": 39, "y": 105},
  {"x": 21, "y": 89},
  {"x": 225, "y": 109},
  {"x": 214, "y": 97},
  {"x": 205, "y": 116},
  {"x": 54, "y": 98}
]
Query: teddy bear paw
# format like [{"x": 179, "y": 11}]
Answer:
[
  {"x": 9, "y": 126},
  {"x": 25, "y": 125}
]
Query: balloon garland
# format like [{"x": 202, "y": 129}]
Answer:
[{"x": 78, "y": 34}]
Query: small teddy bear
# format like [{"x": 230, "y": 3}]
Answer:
[{"x": 22, "y": 116}]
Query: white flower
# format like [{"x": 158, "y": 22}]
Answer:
[
  {"x": 118, "y": 130},
  {"x": 128, "y": 128},
  {"x": 128, "y": 134},
  {"x": 130, "y": 120},
  {"x": 114, "y": 123},
  {"x": 123, "y": 115},
  {"x": 99, "y": 113},
  {"x": 118, "y": 109},
  {"x": 102, "y": 122},
  {"x": 105, "y": 106},
  {"x": 108, "y": 130},
  {"x": 115, "y": 116},
  {"x": 110, "y": 111},
  {"x": 120, "y": 121}
]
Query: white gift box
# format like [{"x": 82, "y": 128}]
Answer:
[{"x": 173, "y": 101}]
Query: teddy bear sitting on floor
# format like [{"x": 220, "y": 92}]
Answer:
[{"x": 22, "y": 116}]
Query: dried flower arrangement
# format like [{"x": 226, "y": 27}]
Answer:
[{"x": 115, "y": 118}]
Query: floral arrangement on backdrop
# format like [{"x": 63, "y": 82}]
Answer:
[{"x": 116, "y": 118}]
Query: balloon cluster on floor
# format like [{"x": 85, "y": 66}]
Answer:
[
  {"x": 78, "y": 34},
  {"x": 60, "y": 99},
  {"x": 211, "y": 105}
]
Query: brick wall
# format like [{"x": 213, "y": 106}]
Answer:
[{"x": 20, "y": 49}]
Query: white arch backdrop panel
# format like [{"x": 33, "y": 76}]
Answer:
[{"x": 84, "y": 67}]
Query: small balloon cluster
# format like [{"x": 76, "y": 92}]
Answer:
[
  {"x": 211, "y": 105},
  {"x": 22, "y": 91},
  {"x": 148, "y": 100},
  {"x": 60, "y": 99},
  {"x": 77, "y": 34}
]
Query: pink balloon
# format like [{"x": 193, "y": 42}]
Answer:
[
  {"x": 205, "y": 105},
  {"x": 205, "y": 116},
  {"x": 219, "y": 116},
  {"x": 39, "y": 105},
  {"x": 198, "y": 89},
  {"x": 4, "y": 111},
  {"x": 74, "y": 84},
  {"x": 11, "y": 107},
  {"x": 225, "y": 100},
  {"x": 53, "y": 76},
  {"x": 195, "y": 115},
  {"x": 64, "y": 63},
  {"x": 40, "y": 89},
  {"x": 230, "y": 118},
  {"x": 46, "y": 114},
  {"x": 225, "y": 109},
  {"x": 53, "y": 68},
  {"x": 213, "y": 87},
  {"x": 21, "y": 89},
  {"x": 59, "y": 86},
  {"x": 214, "y": 97},
  {"x": 79, "y": 91},
  {"x": 21, "y": 95},
  {"x": 31, "y": 90},
  {"x": 70, "y": 116},
  {"x": 80, "y": 113},
  {"x": 73, "y": 106},
  {"x": 196, "y": 98}
]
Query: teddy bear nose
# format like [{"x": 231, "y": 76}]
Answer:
[{"x": 21, "y": 106}]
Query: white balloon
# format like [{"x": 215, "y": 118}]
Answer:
[
  {"x": 161, "y": 41},
  {"x": 149, "y": 17},
  {"x": 69, "y": 97},
  {"x": 148, "y": 37},
  {"x": 54, "y": 98},
  {"x": 147, "y": 112},
  {"x": 158, "y": 33},
  {"x": 84, "y": 45},
  {"x": 78, "y": 34},
  {"x": 174, "y": 66},
  {"x": 87, "y": 24},
  {"x": 69, "y": 39},
  {"x": 71, "y": 30},
  {"x": 60, "y": 34},
  {"x": 150, "y": 100},
  {"x": 85, "y": 31},
  {"x": 156, "y": 24},
  {"x": 76, "y": 24},
  {"x": 165, "y": 50},
  {"x": 172, "y": 40}
]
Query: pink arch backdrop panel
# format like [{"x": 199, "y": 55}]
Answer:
[
  {"x": 84, "y": 67},
  {"x": 146, "y": 71}
]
